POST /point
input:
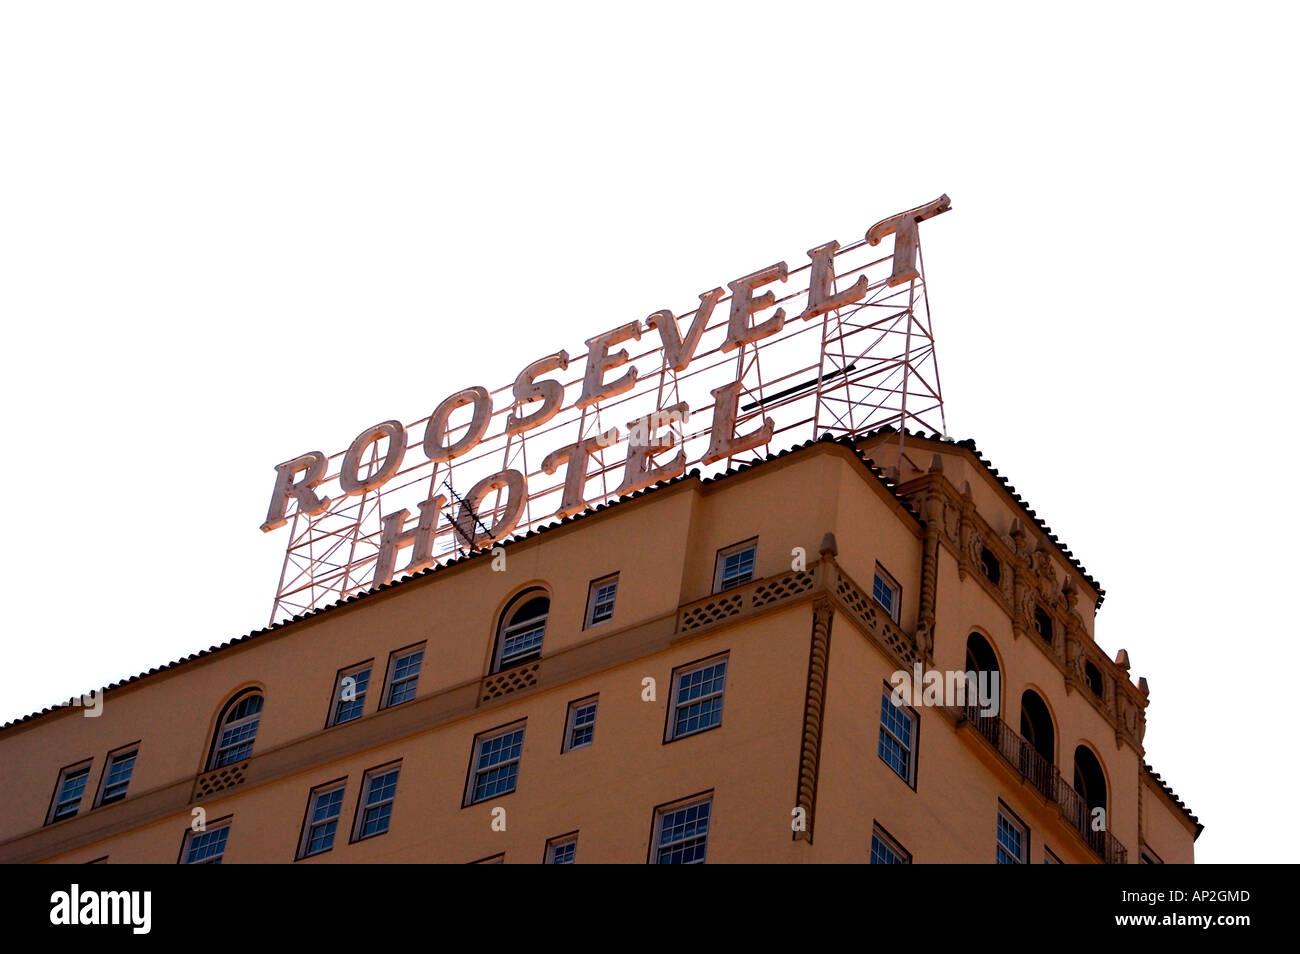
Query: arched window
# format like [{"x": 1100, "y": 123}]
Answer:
[
  {"x": 1036, "y": 728},
  {"x": 1090, "y": 783},
  {"x": 979, "y": 655},
  {"x": 982, "y": 662},
  {"x": 521, "y": 629},
  {"x": 1089, "y": 779},
  {"x": 1043, "y": 623},
  {"x": 236, "y": 729},
  {"x": 1093, "y": 676}
]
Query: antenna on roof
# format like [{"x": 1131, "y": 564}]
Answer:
[{"x": 465, "y": 508}]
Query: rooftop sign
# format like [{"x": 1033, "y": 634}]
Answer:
[{"x": 838, "y": 344}]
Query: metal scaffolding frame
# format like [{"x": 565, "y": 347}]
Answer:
[{"x": 855, "y": 368}]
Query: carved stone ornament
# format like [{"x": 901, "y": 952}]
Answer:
[
  {"x": 1071, "y": 593},
  {"x": 1129, "y": 714},
  {"x": 1026, "y": 600},
  {"x": 1047, "y": 581},
  {"x": 924, "y": 641},
  {"x": 1074, "y": 656},
  {"x": 1019, "y": 539},
  {"x": 951, "y": 520}
]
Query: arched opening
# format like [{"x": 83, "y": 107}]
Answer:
[
  {"x": 982, "y": 666},
  {"x": 236, "y": 729},
  {"x": 1090, "y": 783},
  {"x": 1043, "y": 624},
  {"x": 1093, "y": 676},
  {"x": 1038, "y": 758},
  {"x": 521, "y": 629}
]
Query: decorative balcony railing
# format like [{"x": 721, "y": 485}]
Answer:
[
  {"x": 496, "y": 685},
  {"x": 207, "y": 784},
  {"x": 1017, "y": 752},
  {"x": 717, "y": 607}
]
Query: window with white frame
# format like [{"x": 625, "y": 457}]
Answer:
[
  {"x": 897, "y": 747},
  {"x": 375, "y": 806},
  {"x": 522, "y": 629},
  {"x": 403, "y": 676},
  {"x": 886, "y": 592},
  {"x": 562, "y": 850},
  {"x": 681, "y": 832},
  {"x": 324, "y": 805},
  {"x": 600, "y": 600},
  {"x": 237, "y": 730},
  {"x": 117, "y": 775},
  {"x": 205, "y": 847},
  {"x": 494, "y": 767},
  {"x": 580, "y": 726},
  {"x": 697, "y": 693},
  {"x": 69, "y": 788},
  {"x": 886, "y": 851},
  {"x": 350, "y": 694},
  {"x": 735, "y": 566},
  {"x": 1013, "y": 838}
]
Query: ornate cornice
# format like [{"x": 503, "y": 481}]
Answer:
[{"x": 1030, "y": 580}]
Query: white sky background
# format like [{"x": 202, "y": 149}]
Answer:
[{"x": 232, "y": 233}]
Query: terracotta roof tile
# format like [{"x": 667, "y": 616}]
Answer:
[
  {"x": 482, "y": 554},
  {"x": 1024, "y": 504},
  {"x": 1176, "y": 800},
  {"x": 848, "y": 441}
]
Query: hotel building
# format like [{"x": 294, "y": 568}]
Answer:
[{"x": 700, "y": 671}]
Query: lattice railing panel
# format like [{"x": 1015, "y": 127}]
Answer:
[
  {"x": 512, "y": 680},
  {"x": 218, "y": 780}
]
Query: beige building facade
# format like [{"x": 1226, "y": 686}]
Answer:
[{"x": 701, "y": 671}]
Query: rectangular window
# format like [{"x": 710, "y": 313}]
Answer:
[
  {"x": 898, "y": 738},
  {"x": 350, "y": 694},
  {"x": 117, "y": 775},
  {"x": 205, "y": 847},
  {"x": 375, "y": 806},
  {"x": 697, "y": 698},
  {"x": 681, "y": 832},
  {"x": 991, "y": 565},
  {"x": 886, "y": 851},
  {"x": 562, "y": 850},
  {"x": 494, "y": 767},
  {"x": 1149, "y": 857},
  {"x": 735, "y": 566},
  {"x": 321, "y": 824},
  {"x": 68, "y": 791},
  {"x": 600, "y": 600},
  {"x": 403, "y": 675},
  {"x": 580, "y": 726},
  {"x": 886, "y": 591},
  {"x": 1049, "y": 857},
  {"x": 1013, "y": 838}
]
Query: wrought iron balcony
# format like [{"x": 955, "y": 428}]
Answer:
[{"x": 1017, "y": 752}]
